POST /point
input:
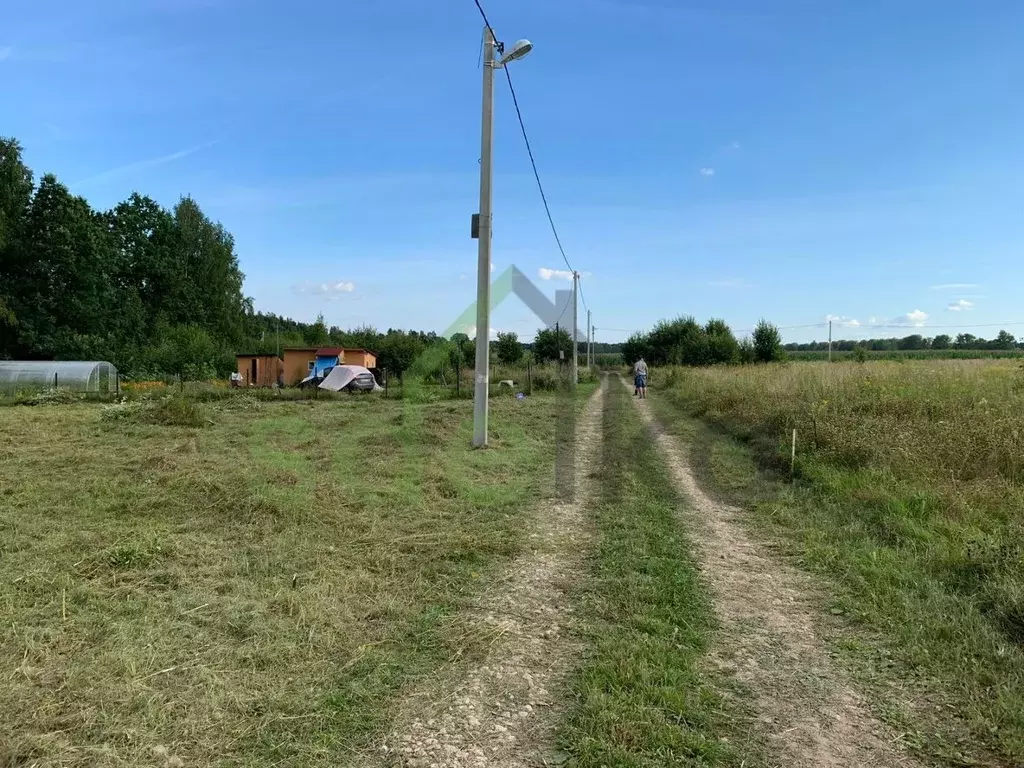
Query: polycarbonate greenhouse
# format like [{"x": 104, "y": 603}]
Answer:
[{"x": 34, "y": 375}]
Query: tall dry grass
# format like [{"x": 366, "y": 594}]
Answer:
[{"x": 909, "y": 494}]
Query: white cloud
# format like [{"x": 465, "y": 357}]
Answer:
[
  {"x": 329, "y": 291},
  {"x": 954, "y": 286},
  {"x": 960, "y": 305},
  {"x": 843, "y": 322},
  {"x": 707, "y": 171},
  {"x": 554, "y": 274},
  {"x": 734, "y": 145},
  {"x": 463, "y": 276},
  {"x": 915, "y": 318},
  {"x": 6, "y": 52}
]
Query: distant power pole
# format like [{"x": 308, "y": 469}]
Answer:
[
  {"x": 830, "y": 341},
  {"x": 590, "y": 360},
  {"x": 575, "y": 325}
]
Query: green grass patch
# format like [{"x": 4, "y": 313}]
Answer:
[
  {"x": 642, "y": 697},
  {"x": 908, "y": 499},
  {"x": 256, "y": 592}
]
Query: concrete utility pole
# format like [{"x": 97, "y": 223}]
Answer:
[
  {"x": 483, "y": 267},
  {"x": 830, "y": 341},
  {"x": 483, "y": 234},
  {"x": 590, "y": 358},
  {"x": 575, "y": 326}
]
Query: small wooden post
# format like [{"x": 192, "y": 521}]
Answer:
[
  {"x": 529, "y": 377},
  {"x": 54, "y": 379},
  {"x": 792, "y": 456}
]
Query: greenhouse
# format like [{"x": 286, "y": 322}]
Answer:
[{"x": 34, "y": 375}]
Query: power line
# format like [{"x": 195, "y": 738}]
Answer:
[
  {"x": 486, "y": 22},
  {"x": 568, "y": 300},
  {"x": 529, "y": 147},
  {"x": 536, "y": 173}
]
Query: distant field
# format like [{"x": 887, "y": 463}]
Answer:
[
  {"x": 251, "y": 590},
  {"x": 909, "y": 495},
  {"x": 913, "y": 354}
]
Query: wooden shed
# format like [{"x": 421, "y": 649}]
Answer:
[
  {"x": 363, "y": 357},
  {"x": 298, "y": 364},
  {"x": 260, "y": 370}
]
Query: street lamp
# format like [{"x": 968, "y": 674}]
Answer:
[{"x": 482, "y": 230}]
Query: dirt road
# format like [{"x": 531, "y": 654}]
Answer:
[
  {"x": 504, "y": 711},
  {"x": 807, "y": 710}
]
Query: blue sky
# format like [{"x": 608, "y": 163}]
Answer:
[{"x": 794, "y": 160}]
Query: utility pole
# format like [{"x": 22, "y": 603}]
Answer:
[
  {"x": 575, "y": 325},
  {"x": 830, "y": 341},
  {"x": 482, "y": 231},
  {"x": 590, "y": 359},
  {"x": 483, "y": 267}
]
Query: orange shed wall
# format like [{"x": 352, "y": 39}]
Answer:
[
  {"x": 267, "y": 369},
  {"x": 359, "y": 357},
  {"x": 244, "y": 365},
  {"x": 296, "y": 365}
]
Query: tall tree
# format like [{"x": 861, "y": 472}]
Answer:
[
  {"x": 721, "y": 344},
  {"x": 15, "y": 199},
  {"x": 548, "y": 343},
  {"x": 508, "y": 349},
  {"x": 767, "y": 342},
  {"x": 64, "y": 287}
]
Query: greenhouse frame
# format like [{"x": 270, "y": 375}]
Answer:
[{"x": 79, "y": 376}]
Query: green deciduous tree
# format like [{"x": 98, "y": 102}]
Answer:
[
  {"x": 548, "y": 343},
  {"x": 398, "y": 350},
  {"x": 767, "y": 342},
  {"x": 508, "y": 349}
]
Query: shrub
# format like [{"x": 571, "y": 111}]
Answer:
[
  {"x": 166, "y": 412},
  {"x": 53, "y": 396}
]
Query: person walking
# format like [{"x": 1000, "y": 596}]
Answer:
[{"x": 640, "y": 379}]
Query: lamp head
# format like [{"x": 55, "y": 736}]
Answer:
[{"x": 519, "y": 49}]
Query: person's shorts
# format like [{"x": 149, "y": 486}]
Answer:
[{"x": 640, "y": 380}]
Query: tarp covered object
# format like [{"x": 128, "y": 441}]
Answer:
[{"x": 343, "y": 375}]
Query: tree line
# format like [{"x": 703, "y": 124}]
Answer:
[
  {"x": 684, "y": 341},
  {"x": 156, "y": 291},
  {"x": 1004, "y": 340}
]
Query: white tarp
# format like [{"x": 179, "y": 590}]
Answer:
[{"x": 343, "y": 375}]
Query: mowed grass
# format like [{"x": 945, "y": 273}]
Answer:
[
  {"x": 254, "y": 591},
  {"x": 909, "y": 496},
  {"x": 642, "y": 700}
]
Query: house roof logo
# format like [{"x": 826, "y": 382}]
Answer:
[{"x": 514, "y": 281}]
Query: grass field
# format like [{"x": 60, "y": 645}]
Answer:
[
  {"x": 254, "y": 589},
  {"x": 909, "y": 497},
  {"x": 910, "y": 354}
]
